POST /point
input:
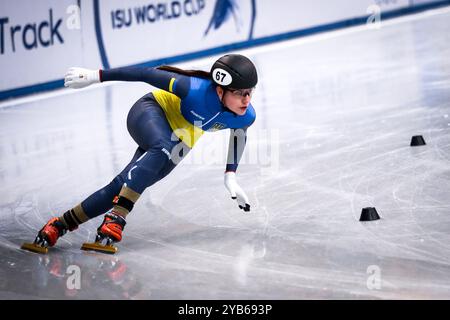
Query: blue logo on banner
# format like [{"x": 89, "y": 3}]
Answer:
[
  {"x": 222, "y": 12},
  {"x": 155, "y": 12}
]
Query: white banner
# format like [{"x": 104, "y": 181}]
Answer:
[
  {"x": 278, "y": 17},
  {"x": 41, "y": 39},
  {"x": 144, "y": 30},
  {"x": 38, "y": 40}
]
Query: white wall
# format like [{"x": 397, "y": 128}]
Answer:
[
  {"x": 36, "y": 44},
  {"x": 41, "y": 39}
]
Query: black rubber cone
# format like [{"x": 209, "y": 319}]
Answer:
[
  {"x": 417, "y": 141},
  {"x": 369, "y": 214}
]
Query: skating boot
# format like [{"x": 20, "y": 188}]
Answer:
[
  {"x": 47, "y": 236},
  {"x": 110, "y": 231}
]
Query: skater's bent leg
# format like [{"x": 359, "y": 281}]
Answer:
[
  {"x": 144, "y": 173},
  {"x": 153, "y": 166},
  {"x": 100, "y": 201},
  {"x": 150, "y": 129}
]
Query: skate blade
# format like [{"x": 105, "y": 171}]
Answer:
[
  {"x": 95, "y": 246},
  {"x": 33, "y": 247}
]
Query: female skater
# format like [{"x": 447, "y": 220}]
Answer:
[{"x": 165, "y": 124}]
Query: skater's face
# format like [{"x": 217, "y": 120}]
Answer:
[{"x": 235, "y": 100}]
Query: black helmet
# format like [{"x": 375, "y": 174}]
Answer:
[{"x": 234, "y": 71}]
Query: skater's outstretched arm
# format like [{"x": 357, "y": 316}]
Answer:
[
  {"x": 169, "y": 81},
  {"x": 236, "y": 146},
  {"x": 165, "y": 80}
]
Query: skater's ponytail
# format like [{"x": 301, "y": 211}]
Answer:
[{"x": 191, "y": 73}]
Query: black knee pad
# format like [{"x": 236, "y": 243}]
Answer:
[{"x": 123, "y": 202}]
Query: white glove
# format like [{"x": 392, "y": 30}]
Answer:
[
  {"x": 236, "y": 191},
  {"x": 77, "y": 78}
]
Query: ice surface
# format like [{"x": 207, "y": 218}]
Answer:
[{"x": 335, "y": 115}]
